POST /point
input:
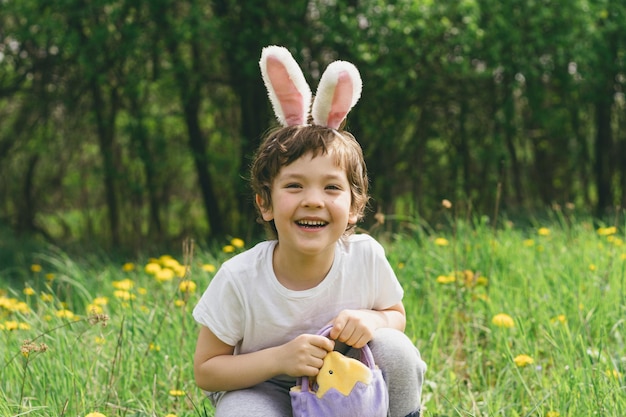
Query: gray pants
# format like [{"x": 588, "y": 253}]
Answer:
[{"x": 394, "y": 353}]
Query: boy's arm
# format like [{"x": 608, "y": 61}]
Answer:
[
  {"x": 356, "y": 327},
  {"x": 217, "y": 369}
]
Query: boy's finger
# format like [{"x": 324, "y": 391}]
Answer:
[
  {"x": 325, "y": 343},
  {"x": 336, "y": 329}
]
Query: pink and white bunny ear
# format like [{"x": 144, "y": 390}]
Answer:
[
  {"x": 287, "y": 88},
  {"x": 338, "y": 91}
]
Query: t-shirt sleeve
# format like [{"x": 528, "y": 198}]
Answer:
[
  {"x": 388, "y": 291},
  {"x": 221, "y": 308}
]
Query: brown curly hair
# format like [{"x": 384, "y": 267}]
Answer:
[{"x": 284, "y": 145}]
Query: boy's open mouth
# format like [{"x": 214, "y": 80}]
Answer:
[{"x": 313, "y": 224}]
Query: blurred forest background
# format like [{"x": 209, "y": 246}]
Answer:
[{"x": 129, "y": 122}]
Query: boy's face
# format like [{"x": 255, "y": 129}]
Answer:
[{"x": 311, "y": 204}]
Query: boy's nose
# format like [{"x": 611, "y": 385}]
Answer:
[{"x": 313, "y": 198}]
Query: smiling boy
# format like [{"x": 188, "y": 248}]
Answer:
[{"x": 260, "y": 314}]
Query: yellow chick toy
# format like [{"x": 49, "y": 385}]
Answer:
[{"x": 341, "y": 373}]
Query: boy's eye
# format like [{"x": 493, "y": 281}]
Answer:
[
  {"x": 333, "y": 187},
  {"x": 293, "y": 185}
]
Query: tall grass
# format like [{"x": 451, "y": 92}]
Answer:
[{"x": 81, "y": 337}]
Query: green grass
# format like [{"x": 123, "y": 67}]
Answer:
[{"x": 564, "y": 289}]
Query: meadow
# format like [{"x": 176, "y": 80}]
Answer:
[{"x": 512, "y": 321}]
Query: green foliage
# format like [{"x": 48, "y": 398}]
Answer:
[
  {"x": 512, "y": 321},
  {"x": 135, "y": 113}
]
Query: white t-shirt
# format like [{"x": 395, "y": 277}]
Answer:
[{"x": 245, "y": 305}]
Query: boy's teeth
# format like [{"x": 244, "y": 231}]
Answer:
[{"x": 311, "y": 223}]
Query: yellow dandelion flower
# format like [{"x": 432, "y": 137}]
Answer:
[
  {"x": 592, "y": 267},
  {"x": 612, "y": 373},
  {"x": 94, "y": 309},
  {"x": 400, "y": 265},
  {"x": 125, "y": 284},
  {"x": 543, "y": 231},
  {"x": 2, "y": 326},
  {"x": 170, "y": 263},
  {"x": 155, "y": 347},
  {"x": 23, "y": 326},
  {"x": 64, "y": 314},
  {"x": 469, "y": 278},
  {"x": 128, "y": 266},
  {"x": 164, "y": 274},
  {"x": 29, "y": 291},
  {"x": 528, "y": 242},
  {"x": 503, "y": 320},
  {"x": 179, "y": 303},
  {"x": 124, "y": 295},
  {"x": 523, "y": 360},
  {"x": 98, "y": 340},
  {"x": 180, "y": 270},
  {"x": 228, "y": 249},
  {"x": 607, "y": 231},
  {"x": 560, "y": 319},
  {"x": 11, "y": 325},
  {"x": 14, "y": 305},
  {"x": 177, "y": 393},
  {"x": 623, "y": 257},
  {"x": 482, "y": 281},
  {"x": 21, "y": 307},
  {"x": 35, "y": 268},
  {"x": 152, "y": 268},
  {"x": 553, "y": 414},
  {"x": 170, "y": 415},
  {"x": 101, "y": 301},
  {"x": 144, "y": 309},
  {"x": 445, "y": 279},
  {"x": 95, "y": 414},
  {"x": 164, "y": 258},
  {"x": 616, "y": 241},
  {"x": 441, "y": 241},
  {"x": 49, "y": 276},
  {"x": 236, "y": 242},
  {"x": 187, "y": 286},
  {"x": 6, "y": 302},
  {"x": 211, "y": 268},
  {"x": 142, "y": 291},
  {"x": 482, "y": 297}
]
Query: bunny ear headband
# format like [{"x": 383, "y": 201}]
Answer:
[{"x": 338, "y": 91}]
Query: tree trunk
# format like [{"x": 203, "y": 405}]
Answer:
[
  {"x": 106, "y": 132},
  {"x": 254, "y": 120},
  {"x": 509, "y": 135},
  {"x": 602, "y": 154},
  {"x": 26, "y": 204},
  {"x": 140, "y": 136},
  {"x": 199, "y": 151},
  {"x": 189, "y": 84}
]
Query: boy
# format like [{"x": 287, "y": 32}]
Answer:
[{"x": 261, "y": 311}]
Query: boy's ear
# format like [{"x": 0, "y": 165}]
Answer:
[
  {"x": 265, "y": 213},
  {"x": 353, "y": 218}
]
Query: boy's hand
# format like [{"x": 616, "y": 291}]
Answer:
[
  {"x": 304, "y": 355},
  {"x": 354, "y": 327}
]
